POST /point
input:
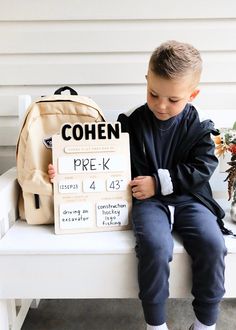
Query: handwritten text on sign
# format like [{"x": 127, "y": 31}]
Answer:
[
  {"x": 91, "y": 163},
  {"x": 91, "y": 188}
]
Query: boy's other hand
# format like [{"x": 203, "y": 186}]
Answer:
[
  {"x": 143, "y": 187},
  {"x": 51, "y": 172}
]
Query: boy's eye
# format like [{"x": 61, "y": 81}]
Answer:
[
  {"x": 153, "y": 95},
  {"x": 173, "y": 101}
]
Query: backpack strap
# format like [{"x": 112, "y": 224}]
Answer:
[{"x": 62, "y": 89}]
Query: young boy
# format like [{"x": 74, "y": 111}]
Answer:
[{"x": 172, "y": 156}]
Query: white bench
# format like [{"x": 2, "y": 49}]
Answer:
[{"x": 36, "y": 263}]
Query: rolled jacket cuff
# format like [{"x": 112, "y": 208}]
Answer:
[{"x": 165, "y": 182}]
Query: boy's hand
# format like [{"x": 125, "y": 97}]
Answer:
[
  {"x": 51, "y": 172},
  {"x": 143, "y": 187}
]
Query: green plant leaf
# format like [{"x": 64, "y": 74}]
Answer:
[{"x": 234, "y": 126}]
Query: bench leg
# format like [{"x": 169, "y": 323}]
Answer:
[
  {"x": 35, "y": 303},
  {"x": 4, "y": 323},
  {"x": 17, "y": 312}
]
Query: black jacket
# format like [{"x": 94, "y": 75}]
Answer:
[{"x": 192, "y": 159}]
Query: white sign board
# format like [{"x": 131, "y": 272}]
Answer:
[{"x": 91, "y": 186}]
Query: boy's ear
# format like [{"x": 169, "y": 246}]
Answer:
[{"x": 194, "y": 94}]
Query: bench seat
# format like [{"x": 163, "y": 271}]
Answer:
[
  {"x": 36, "y": 263},
  {"x": 40, "y": 264}
]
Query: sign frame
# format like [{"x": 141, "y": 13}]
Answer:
[{"x": 91, "y": 185}]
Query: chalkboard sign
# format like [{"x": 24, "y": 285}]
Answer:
[{"x": 91, "y": 186}]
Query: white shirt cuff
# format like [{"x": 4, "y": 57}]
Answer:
[{"x": 165, "y": 181}]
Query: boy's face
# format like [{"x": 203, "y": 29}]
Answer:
[{"x": 167, "y": 98}]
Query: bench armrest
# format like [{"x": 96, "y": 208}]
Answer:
[{"x": 9, "y": 192}]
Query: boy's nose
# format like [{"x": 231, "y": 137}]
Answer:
[{"x": 161, "y": 104}]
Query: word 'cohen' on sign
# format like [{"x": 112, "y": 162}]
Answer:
[{"x": 91, "y": 186}]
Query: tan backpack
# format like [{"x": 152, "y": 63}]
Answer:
[{"x": 43, "y": 119}]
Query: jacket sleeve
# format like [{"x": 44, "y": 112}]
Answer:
[{"x": 196, "y": 167}]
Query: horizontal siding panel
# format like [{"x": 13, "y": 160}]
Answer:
[
  {"x": 108, "y": 9},
  {"x": 8, "y": 135},
  {"x": 64, "y": 74},
  {"x": 51, "y": 70},
  {"x": 221, "y": 118},
  {"x": 43, "y": 70},
  {"x": 8, "y": 105},
  {"x": 110, "y": 37},
  {"x": 7, "y": 155},
  {"x": 116, "y": 98},
  {"x": 111, "y": 103},
  {"x": 217, "y": 97},
  {"x": 125, "y": 69}
]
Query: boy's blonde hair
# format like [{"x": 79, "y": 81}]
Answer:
[{"x": 173, "y": 60}]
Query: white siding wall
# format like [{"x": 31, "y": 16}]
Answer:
[{"x": 101, "y": 48}]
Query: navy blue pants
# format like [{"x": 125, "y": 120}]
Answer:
[{"x": 203, "y": 241}]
